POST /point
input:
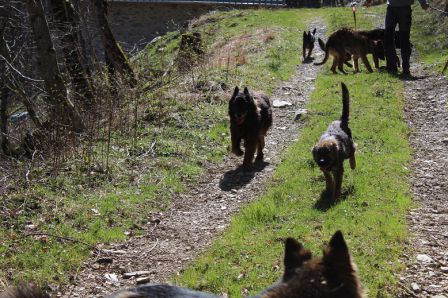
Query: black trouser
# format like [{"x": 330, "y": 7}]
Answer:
[{"x": 403, "y": 17}]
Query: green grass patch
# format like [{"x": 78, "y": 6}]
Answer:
[
  {"x": 182, "y": 128},
  {"x": 372, "y": 215}
]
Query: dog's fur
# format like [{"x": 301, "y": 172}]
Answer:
[
  {"x": 250, "y": 118},
  {"x": 334, "y": 146},
  {"x": 345, "y": 41},
  {"x": 308, "y": 43},
  {"x": 377, "y": 52},
  {"x": 24, "y": 291},
  {"x": 332, "y": 276}
]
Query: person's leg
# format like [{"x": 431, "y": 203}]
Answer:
[
  {"x": 389, "y": 43},
  {"x": 405, "y": 21}
]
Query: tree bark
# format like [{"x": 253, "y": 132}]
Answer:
[
  {"x": 114, "y": 53},
  {"x": 4, "y": 90},
  {"x": 66, "y": 23},
  {"x": 49, "y": 70}
]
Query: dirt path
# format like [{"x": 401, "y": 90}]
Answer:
[
  {"x": 426, "y": 273},
  {"x": 197, "y": 217}
]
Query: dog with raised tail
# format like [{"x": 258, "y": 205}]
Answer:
[{"x": 335, "y": 146}]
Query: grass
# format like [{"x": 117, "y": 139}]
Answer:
[
  {"x": 430, "y": 36},
  {"x": 182, "y": 129},
  {"x": 185, "y": 127},
  {"x": 372, "y": 215},
  {"x": 247, "y": 258}
]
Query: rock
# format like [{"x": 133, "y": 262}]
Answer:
[
  {"x": 135, "y": 274},
  {"x": 104, "y": 260},
  {"x": 112, "y": 277},
  {"x": 415, "y": 287},
  {"x": 299, "y": 114},
  {"x": 424, "y": 258},
  {"x": 142, "y": 280},
  {"x": 281, "y": 103},
  {"x": 438, "y": 296},
  {"x": 444, "y": 269}
]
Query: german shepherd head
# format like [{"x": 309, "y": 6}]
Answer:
[
  {"x": 308, "y": 43},
  {"x": 332, "y": 276}
]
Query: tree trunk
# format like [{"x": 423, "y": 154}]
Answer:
[
  {"x": 62, "y": 108},
  {"x": 64, "y": 17},
  {"x": 114, "y": 53},
  {"x": 4, "y": 142},
  {"x": 4, "y": 90}
]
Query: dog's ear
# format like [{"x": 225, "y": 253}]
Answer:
[
  {"x": 235, "y": 92},
  {"x": 314, "y": 31},
  {"x": 304, "y": 35},
  {"x": 247, "y": 93},
  {"x": 336, "y": 253},
  {"x": 295, "y": 255}
]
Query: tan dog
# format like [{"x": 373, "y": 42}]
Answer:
[{"x": 334, "y": 146}]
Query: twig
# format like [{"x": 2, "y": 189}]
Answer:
[
  {"x": 154, "y": 246},
  {"x": 18, "y": 72},
  {"x": 64, "y": 238}
]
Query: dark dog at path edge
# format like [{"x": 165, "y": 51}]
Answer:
[
  {"x": 332, "y": 276},
  {"x": 308, "y": 43},
  {"x": 250, "y": 118},
  {"x": 334, "y": 146}
]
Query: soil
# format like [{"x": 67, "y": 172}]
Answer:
[
  {"x": 173, "y": 239},
  {"x": 426, "y": 273}
]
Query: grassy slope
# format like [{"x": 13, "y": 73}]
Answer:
[
  {"x": 430, "y": 36},
  {"x": 248, "y": 256},
  {"x": 92, "y": 207}
]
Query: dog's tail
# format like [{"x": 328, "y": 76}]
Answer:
[
  {"x": 345, "y": 105},
  {"x": 327, "y": 53},
  {"x": 321, "y": 44}
]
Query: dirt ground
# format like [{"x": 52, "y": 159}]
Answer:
[
  {"x": 426, "y": 273},
  {"x": 172, "y": 239}
]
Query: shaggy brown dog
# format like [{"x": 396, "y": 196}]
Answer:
[
  {"x": 250, "y": 119},
  {"x": 308, "y": 43},
  {"x": 332, "y": 276},
  {"x": 345, "y": 41},
  {"x": 334, "y": 146}
]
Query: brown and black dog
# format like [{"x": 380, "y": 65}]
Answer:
[
  {"x": 345, "y": 41},
  {"x": 250, "y": 118},
  {"x": 335, "y": 146},
  {"x": 332, "y": 276},
  {"x": 309, "y": 39}
]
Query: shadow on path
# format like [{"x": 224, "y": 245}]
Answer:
[{"x": 238, "y": 178}]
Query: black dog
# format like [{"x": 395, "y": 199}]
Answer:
[
  {"x": 334, "y": 146},
  {"x": 308, "y": 43},
  {"x": 250, "y": 119}
]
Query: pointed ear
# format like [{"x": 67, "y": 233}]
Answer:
[
  {"x": 235, "y": 92},
  {"x": 295, "y": 255},
  {"x": 337, "y": 251},
  {"x": 314, "y": 31},
  {"x": 304, "y": 35},
  {"x": 246, "y": 92}
]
